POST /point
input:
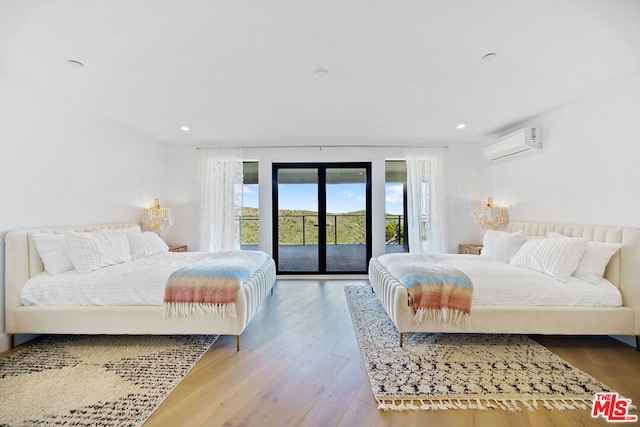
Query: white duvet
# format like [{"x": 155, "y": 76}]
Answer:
[
  {"x": 138, "y": 282},
  {"x": 499, "y": 283}
]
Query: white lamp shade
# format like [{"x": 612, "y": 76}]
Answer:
[
  {"x": 157, "y": 218},
  {"x": 490, "y": 217}
]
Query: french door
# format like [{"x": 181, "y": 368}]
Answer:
[{"x": 321, "y": 217}]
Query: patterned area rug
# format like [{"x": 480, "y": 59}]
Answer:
[
  {"x": 462, "y": 371},
  {"x": 102, "y": 380}
]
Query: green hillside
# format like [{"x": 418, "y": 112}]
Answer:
[
  {"x": 297, "y": 227},
  {"x": 250, "y": 227}
]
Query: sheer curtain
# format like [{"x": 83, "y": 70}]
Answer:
[
  {"x": 220, "y": 199},
  {"x": 426, "y": 200}
]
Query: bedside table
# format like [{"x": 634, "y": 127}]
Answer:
[
  {"x": 468, "y": 248},
  {"x": 177, "y": 248}
]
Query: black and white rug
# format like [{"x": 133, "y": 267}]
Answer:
[
  {"x": 87, "y": 380},
  {"x": 462, "y": 371}
]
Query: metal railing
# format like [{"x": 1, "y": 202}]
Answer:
[
  {"x": 394, "y": 229},
  {"x": 344, "y": 229}
]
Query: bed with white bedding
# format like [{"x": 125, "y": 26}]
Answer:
[
  {"x": 124, "y": 297},
  {"x": 517, "y": 297}
]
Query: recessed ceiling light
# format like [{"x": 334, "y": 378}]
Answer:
[
  {"x": 184, "y": 128},
  {"x": 75, "y": 63},
  {"x": 321, "y": 73},
  {"x": 489, "y": 57},
  {"x": 461, "y": 126}
]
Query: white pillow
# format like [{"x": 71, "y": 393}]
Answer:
[
  {"x": 557, "y": 257},
  {"x": 91, "y": 251},
  {"x": 501, "y": 245},
  {"x": 52, "y": 249},
  {"x": 594, "y": 261},
  {"x": 146, "y": 244}
]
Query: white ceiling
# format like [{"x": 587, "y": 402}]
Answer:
[{"x": 243, "y": 70}]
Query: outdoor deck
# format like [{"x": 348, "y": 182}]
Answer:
[{"x": 340, "y": 258}]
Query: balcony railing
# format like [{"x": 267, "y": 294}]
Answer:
[
  {"x": 394, "y": 229},
  {"x": 342, "y": 229}
]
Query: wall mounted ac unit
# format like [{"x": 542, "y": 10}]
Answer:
[{"x": 513, "y": 144}]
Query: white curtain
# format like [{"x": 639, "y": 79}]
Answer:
[
  {"x": 426, "y": 200},
  {"x": 220, "y": 199}
]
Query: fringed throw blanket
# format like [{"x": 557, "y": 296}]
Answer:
[
  {"x": 437, "y": 291},
  {"x": 212, "y": 284}
]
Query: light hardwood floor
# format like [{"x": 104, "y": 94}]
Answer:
[{"x": 300, "y": 365}]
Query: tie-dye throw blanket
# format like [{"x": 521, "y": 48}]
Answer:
[
  {"x": 212, "y": 284},
  {"x": 437, "y": 291}
]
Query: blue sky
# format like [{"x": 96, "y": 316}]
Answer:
[{"x": 340, "y": 197}]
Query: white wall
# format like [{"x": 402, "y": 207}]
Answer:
[
  {"x": 62, "y": 166},
  {"x": 589, "y": 169},
  {"x": 462, "y": 185}
]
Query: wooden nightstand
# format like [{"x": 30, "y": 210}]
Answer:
[
  {"x": 469, "y": 249},
  {"x": 177, "y": 248}
]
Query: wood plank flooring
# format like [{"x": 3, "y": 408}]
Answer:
[{"x": 300, "y": 365}]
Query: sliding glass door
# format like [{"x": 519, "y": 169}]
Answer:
[
  {"x": 321, "y": 217},
  {"x": 296, "y": 221}
]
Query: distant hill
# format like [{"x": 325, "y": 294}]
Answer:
[
  {"x": 351, "y": 227},
  {"x": 297, "y": 227}
]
